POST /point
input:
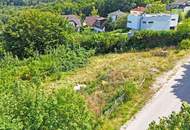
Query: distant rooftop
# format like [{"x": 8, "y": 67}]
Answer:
[
  {"x": 117, "y": 13},
  {"x": 140, "y": 9},
  {"x": 180, "y": 2},
  {"x": 91, "y": 20},
  {"x": 74, "y": 19}
]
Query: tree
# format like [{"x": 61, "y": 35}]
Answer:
[
  {"x": 121, "y": 23},
  {"x": 34, "y": 31},
  {"x": 156, "y": 7},
  {"x": 184, "y": 27},
  {"x": 188, "y": 14},
  {"x": 94, "y": 11}
]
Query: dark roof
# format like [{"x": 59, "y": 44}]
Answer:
[
  {"x": 91, "y": 20},
  {"x": 141, "y": 9},
  {"x": 180, "y": 2},
  {"x": 74, "y": 19},
  {"x": 116, "y": 13}
]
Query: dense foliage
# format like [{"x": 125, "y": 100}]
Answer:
[
  {"x": 151, "y": 39},
  {"x": 38, "y": 46},
  {"x": 156, "y": 7},
  {"x": 185, "y": 44},
  {"x": 52, "y": 64},
  {"x": 177, "y": 121},
  {"x": 26, "y": 104},
  {"x": 24, "y": 2},
  {"x": 119, "y": 42},
  {"x": 120, "y": 23},
  {"x": 184, "y": 27},
  {"x": 101, "y": 42},
  {"x": 85, "y": 7},
  {"x": 34, "y": 31}
]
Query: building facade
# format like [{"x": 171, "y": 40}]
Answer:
[{"x": 152, "y": 21}]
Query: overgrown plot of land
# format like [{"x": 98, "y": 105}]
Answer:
[{"x": 116, "y": 86}]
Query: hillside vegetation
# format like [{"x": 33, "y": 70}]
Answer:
[
  {"x": 118, "y": 85},
  {"x": 175, "y": 121},
  {"x": 52, "y": 77}
]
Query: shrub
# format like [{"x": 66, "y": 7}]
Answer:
[
  {"x": 33, "y": 31},
  {"x": 101, "y": 42},
  {"x": 177, "y": 121},
  {"x": 58, "y": 60},
  {"x": 152, "y": 39},
  {"x": 1, "y": 50},
  {"x": 156, "y": 7},
  {"x": 184, "y": 27},
  {"x": 184, "y": 44},
  {"x": 25, "y": 106},
  {"x": 187, "y": 14}
]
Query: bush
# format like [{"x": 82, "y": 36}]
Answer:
[
  {"x": 184, "y": 27},
  {"x": 25, "y": 106},
  {"x": 177, "y": 121},
  {"x": 34, "y": 31},
  {"x": 187, "y": 15},
  {"x": 53, "y": 63},
  {"x": 101, "y": 42},
  {"x": 184, "y": 44},
  {"x": 119, "y": 42},
  {"x": 152, "y": 39}
]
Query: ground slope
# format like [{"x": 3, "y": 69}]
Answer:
[
  {"x": 168, "y": 99},
  {"x": 106, "y": 76}
]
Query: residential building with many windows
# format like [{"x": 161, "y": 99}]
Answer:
[{"x": 152, "y": 21}]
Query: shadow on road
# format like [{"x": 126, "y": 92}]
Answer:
[{"x": 182, "y": 88}]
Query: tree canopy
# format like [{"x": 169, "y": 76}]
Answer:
[{"x": 34, "y": 31}]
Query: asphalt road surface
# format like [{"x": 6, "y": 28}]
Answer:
[{"x": 168, "y": 99}]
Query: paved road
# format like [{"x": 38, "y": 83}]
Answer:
[{"x": 169, "y": 98}]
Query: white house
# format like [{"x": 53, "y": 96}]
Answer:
[
  {"x": 133, "y": 21},
  {"x": 115, "y": 15},
  {"x": 152, "y": 21}
]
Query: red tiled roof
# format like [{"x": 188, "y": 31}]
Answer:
[{"x": 140, "y": 9}]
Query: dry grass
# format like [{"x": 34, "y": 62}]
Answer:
[{"x": 105, "y": 74}]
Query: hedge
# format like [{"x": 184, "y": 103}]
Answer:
[{"x": 119, "y": 42}]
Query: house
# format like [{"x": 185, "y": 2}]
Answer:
[
  {"x": 180, "y": 6},
  {"x": 138, "y": 10},
  {"x": 152, "y": 21},
  {"x": 115, "y": 15},
  {"x": 97, "y": 23},
  {"x": 74, "y": 20}
]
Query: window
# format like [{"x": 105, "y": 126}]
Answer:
[
  {"x": 129, "y": 21},
  {"x": 144, "y": 22},
  {"x": 173, "y": 19},
  {"x": 150, "y": 22},
  {"x": 172, "y": 28}
]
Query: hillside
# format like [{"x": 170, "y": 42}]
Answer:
[
  {"x": 118, "y": 85},
  {"x": 84, "y": 64}
]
